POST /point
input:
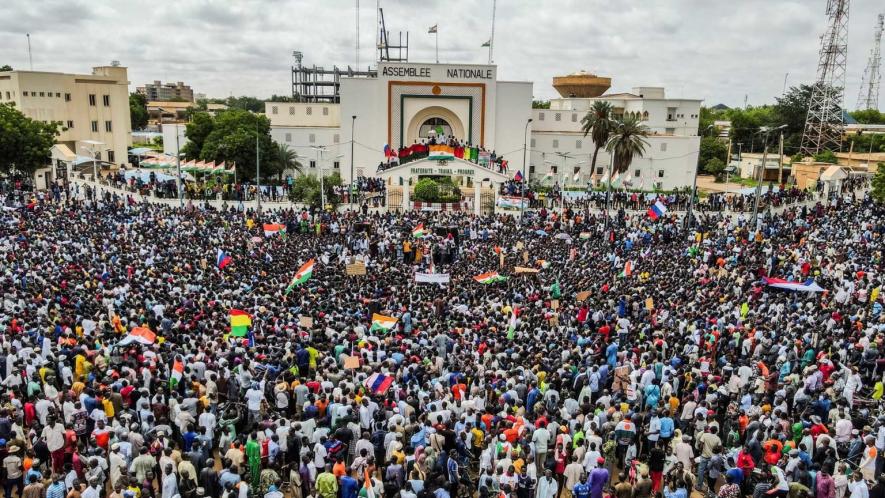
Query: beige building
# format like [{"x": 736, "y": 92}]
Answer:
[
  {"x": 89, "y": 107},
  {"x": 162, "y": 92}
]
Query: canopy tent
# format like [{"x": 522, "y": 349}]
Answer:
[{"x": 145, "y": 176}]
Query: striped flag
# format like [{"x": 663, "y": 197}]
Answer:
[
  {"x": 657, "y": 210},
  {"x": 382, "y": 322},
  {"x": 303, "y": 275},
  {"x": 177, "y": 372},
  {"x": 378, "y": 383},
  {"x": 240, "y": 321},
  {"x": 271, "y": 229},
  {"x": 222, "y": 259},
  {"x": 489, "y": 277},
  {"x": 511, "y": 330},
  {"x": 419, "y": 232},
  {"x": 141, "y": 335},
  {"x": 628, "y": 269}
]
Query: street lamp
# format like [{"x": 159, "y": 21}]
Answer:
[
  {"x": 350, "y": 190},
  {"x": 766, "y": 131},
  {"x": 525, "y": 168},
  {"x": 694, "y": 187}
]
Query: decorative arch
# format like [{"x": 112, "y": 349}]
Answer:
[{"x": 435, "y": 112}]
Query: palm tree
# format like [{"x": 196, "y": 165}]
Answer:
[
  {"x": 627, "y": 141},
  {"x": 599, "y": 124},
  {"x": 286, "y": 158}
]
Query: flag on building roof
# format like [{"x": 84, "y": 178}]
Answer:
[
  {"x": 177, "y": 372},
  {"x": 222, "y": 259},
  {"x": 488, "y": 43},
  {"x": 441, "y": 152},
  {"x": 518, "y": 176},
  {"x": 433, "y": 29},
  {"x": 489, "y": 277},
  {"x": 657, "y": 210},
  {"x": 378, "y": 383},
  {"x": 303, "y": 275},
  {"x": 382, "y": 322},
  {"x": 141, "y": 335},
  {"x": 240, "y": 321},
  {"x": 271, "y": 229},
  {"x": 419, "y": 231}
]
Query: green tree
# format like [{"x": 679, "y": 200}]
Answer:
[
  {"x": 627, "y": 141},
  {"x": 286, "y": 158},
  {"x": 282, "y": 98},
  {"x": 540, "y": 104},
  {"x": 5, "y": 67},
  {"x": 427, "y": 190},
  {"x": 233, "y": 140},
  {"x": 245, "y": 103},
  {"x": 715, "y": 167},
  {"x": 306, "y": 189},
  {"x": 24, "y": 142},
  {"x": 138, "y": 114},
  {"x": 826, "y": 156},
  {"x": 598, "y": 123},
  {"x": 878, "y": 183},
  {"x": 868, "y": 116},
  {"x": 791, "y": 109},
  {"x": 710, "y": 148},
  {"x": 199, "y": 128}
]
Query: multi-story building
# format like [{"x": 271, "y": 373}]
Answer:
[
  {"x": 90, "y": 108},
  {"x": 158, "y": 91}
]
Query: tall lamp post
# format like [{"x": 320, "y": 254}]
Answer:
[
  {"x": 258, "y": 168},
  {"x": 320, "y": 150},
  {"x": 694, "y": 188},
  {"x": 525, "y": 167},
  {"x": 351, "y": 192},
  {"x": 760, "y": 176}
]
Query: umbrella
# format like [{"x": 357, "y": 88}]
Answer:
[
  {"x": 542, "y": 233},
  {"x": 562, "y": 236}
]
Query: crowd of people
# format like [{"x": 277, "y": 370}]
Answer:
[{"x": 626, "y": 359}]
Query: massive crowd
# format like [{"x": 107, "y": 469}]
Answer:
[{"x": 626, "y": 361}]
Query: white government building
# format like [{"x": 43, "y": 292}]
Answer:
[{"x": 403, "y": 102}]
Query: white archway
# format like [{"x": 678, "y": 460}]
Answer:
[{"x": 414, "y": 127}]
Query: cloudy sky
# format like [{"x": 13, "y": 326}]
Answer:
[{"x": 716, "y": 50}]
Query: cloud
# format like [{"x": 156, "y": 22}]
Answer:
[{"x": 715, "y": 50}]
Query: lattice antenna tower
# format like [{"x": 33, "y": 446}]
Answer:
[
  {"x": 868, "y": 97},
  {"x": 824, "y": 123}
]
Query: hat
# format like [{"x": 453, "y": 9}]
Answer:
[
  {"x": 14, "y": 449},
  {"x": 600, "y": 461}
]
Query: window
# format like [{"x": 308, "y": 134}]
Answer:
[
  {"x": 325, "y": 111},
  {"x": 43, "y": 94},
  {"x": 70, "y": 124},
  {"x": 553, "y": 169},
  {"x": 24, "y": 94},
  {"x": 67, "y": 97},
  {"x": 577, "y": 169},
  {"x": 107, "y": 126},
  {"x": 555, "y": 144},
  {"x": 669, "y": 131},
  {"x": 599, "y": 170},
  {"x": 336, "y": 138},
  {"x": 57, "y": 95},
  {"x": 540, "y": 116},
  {"x": 578, "y": 144},
  {"x": 273, "y": 109},
  {"x": 313, "y": 164},
  {"x": 106, "y": 100},
  {"x": 8, "y": 97},
  {"x": 660, "y": 173},
  {"x": 663, "y": 146},
  {"x": 92, "y": 99},
  {"x": 532, "y": 168},
  {"x": 95, "y": 127},
  {"x": 291, "y": 111},
  {"x": 312, "y": 138},
  {"x": 288, "y": 137},
  {"x": 557, "y": 116},
  {"x": 309, "y": 111},
  {"x": 533, "y": 143},
  {"x": 336, "y": 165},
  {"x": 110, "y": 156},
  {"x": 574, "y": 117},
  {"x": 637, "y": 173}
]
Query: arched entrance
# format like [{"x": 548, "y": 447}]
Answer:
[{"x": 430, "y": 119}]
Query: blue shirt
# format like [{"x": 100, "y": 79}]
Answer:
[
  {"x": 581, "y": 490},
  {"x": 349, "y": 487},
  {"x": 666, "y": 427}
]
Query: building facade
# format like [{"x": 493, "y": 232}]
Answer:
[
  {"x": 164, "y": 92},
  {"x": 406, "y": 101},
  {"x": 89, "y": 107}
]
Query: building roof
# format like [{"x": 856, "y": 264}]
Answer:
[
  {"x": 164, "y": 104},
  {"x": 622, "y": 95},
  {"x": 833, "y": 173},
  {"x": 720, "y": 107}
]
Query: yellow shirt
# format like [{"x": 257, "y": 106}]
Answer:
[{"x": 108, "y": 407}]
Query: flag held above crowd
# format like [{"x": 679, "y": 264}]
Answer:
[
  {"x": 140, "y": 335},
  {"x": 489, "y": 277},
  {"x": 382, "y": 322},
  {"x": 378, "y": 383},
  {"x": 807, "y": 286},
  {"x": 240, "y": 321},
  {"x": 303, "y": 275},
  {"x": 222, "y": 259},
  {"x": 271, "y": 229},
  {"x": 657, "y": 210}
]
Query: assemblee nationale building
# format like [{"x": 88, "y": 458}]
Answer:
[{"x": 403, "y": 103}]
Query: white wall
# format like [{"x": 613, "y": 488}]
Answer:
[
  {"x": 367, "y": 100},
  {"x": 513, "y": 109},
  {"x": 169, "y": 131},
  {"x": 303, "y": 114},
  {"x": 299, "y": 140}
]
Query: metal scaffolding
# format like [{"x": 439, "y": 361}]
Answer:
[{"x": 868, "y": 96}]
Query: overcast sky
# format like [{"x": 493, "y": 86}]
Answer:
[{"x": 716, "y": 50}]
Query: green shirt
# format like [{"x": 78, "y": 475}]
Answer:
[{"x": 327, "y": 485}]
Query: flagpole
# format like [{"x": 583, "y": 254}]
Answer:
[
  {"x": 436, "y": 32},
  {"x": 492, "y": 39}
]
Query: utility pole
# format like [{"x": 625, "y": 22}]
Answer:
[
  {"x": 352, "y": 179},
  {"x": 525, "y": 168},
  {"x": 178, "y": 168},
  {"x": 258, "y": 170},
  {"x": 759, "y": 177},
  {"x": 780, "y": 160}
]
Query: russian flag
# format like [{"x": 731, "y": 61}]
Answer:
[
  {"x": 378, "y": 383},
  {"x": 657, "y": 210},
  {"x": 222, "y": 259},
  {"x": 518, "y": 176}
]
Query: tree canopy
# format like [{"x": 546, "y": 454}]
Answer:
[
  {"x": 5, "y": 67},
  {"x": 878, "y": 183},
  {"x": 138, "y": 114},
  {"x": 231, "y": 137},
  {"x": 24, "y": 142}
]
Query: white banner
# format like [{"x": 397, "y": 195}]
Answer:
[{"x": 432, "y": 278}]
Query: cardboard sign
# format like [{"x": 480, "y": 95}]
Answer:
[
  {"x": 519, "y": 246},
  {"x": 357, "y": 268},
  {"x": 525, "y": 257},
  {"x": 582, "y": 296},
  {"x": 649, "y": 304},
  {"x": 305, "y": 321},
  {"x": 554, "y": 304},
  {"x": 351, "y": 362},
  {"x": 523, "y": 269}
]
